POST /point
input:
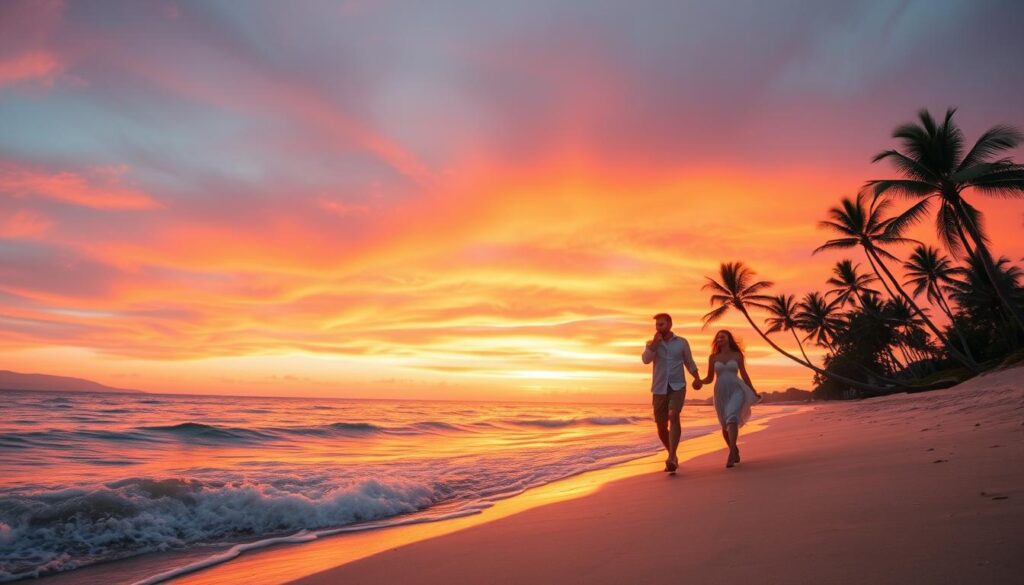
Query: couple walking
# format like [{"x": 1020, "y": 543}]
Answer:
[{"x": 734, "y": 393}]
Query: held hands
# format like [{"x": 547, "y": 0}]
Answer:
[{"x": 697, "y": 384}]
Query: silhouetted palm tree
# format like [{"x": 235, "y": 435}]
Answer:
[
  {"x": 934, "y": 166},
  {"x": 848, "y": 284},
  {"x": 783, "y": 309},
  {"x": 864, "y": 224},
  {"x": 932, "y": 273},
  {"x": 739, "y": 290},
  {"x": 976, "y": 295},
  {"x": 820, "y": 319}
]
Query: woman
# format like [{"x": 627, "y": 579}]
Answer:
[{"x": 734, "y": 393}]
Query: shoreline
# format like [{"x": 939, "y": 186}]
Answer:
[
  {"x": 857, "y": 465},
  {"x": 907, "y": 488},
  {"x": 285, "y": 563},
  {"x": 287, "y": 556}
]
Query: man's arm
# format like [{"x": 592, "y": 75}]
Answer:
[
  {"x": 691, "y": 366},
  {"x": 649, "y": 353}
]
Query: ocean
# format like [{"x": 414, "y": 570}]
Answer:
[{"x": 88, "y": 478}]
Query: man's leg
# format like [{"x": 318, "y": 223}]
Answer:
[
  {"x": 675, "y": 407},
  {"x": 675, "y": 431},
  {"x": 660, "y": 403}
]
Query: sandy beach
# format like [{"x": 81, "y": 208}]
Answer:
[{"x": 924, "y": 488}]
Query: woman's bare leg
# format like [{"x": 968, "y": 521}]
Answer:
[{"x": 732, "y": 434}]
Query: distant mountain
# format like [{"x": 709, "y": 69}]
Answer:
[{"x": 45, "y": 383}]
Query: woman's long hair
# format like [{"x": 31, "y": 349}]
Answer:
[{"x": 731, "y": 343}]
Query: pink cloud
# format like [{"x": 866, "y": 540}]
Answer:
[
  {"x": 24, "y": 224},
  {"x": 98, "y": 187},
  {"x": 34, "y": 65}
]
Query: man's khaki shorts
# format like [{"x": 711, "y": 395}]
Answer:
[{"x": 663, "y": 403}]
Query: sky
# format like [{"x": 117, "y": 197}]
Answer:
[{"x": 447, "y": 200}]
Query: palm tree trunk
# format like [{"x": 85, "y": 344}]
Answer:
[
  {"x": 836, "y": 355},
  {"x": 935, "y": 330},
  {"x": 964, "y": 240},
  {"x": 990, "y": 268},
  {"x": 800, "y": 345},
  {"x": 881, "y": 278},
  {"x": 944, "y": 305},
  {"x": 807, "y": 364}
]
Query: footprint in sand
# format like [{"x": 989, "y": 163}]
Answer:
[{"x": 995, "y": 496}]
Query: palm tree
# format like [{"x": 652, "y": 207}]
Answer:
[
  {"x": 820, "y": 319},
  {"x": 864, "y": 224},
  {"x": 976, "y": 295},
  {"x": 783, "y": 309},
  {"x": 738, "y": 290},
  {"x": 934, "y": 166},
  {"x": 848, "y": 284},
  {"x": 931, "y": 273}
]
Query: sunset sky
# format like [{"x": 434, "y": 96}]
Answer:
[{"x": 454, "y": 200}]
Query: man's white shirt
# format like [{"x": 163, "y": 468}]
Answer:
[{"x": 669, "y": 359}]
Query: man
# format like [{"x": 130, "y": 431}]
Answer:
[{"x": 670, "y": 353}]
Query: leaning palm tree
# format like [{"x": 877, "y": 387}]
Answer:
[
  {"x": 783, "y": 309},
  {"x": 862, "y": 223},
  {"x": 848, "y": 284},
  {"x": 932, "y": 273},
  {"x": 820, "y": 319},
  {"x": 934, "y": 166},
  {"x": 738, "y": 290}
]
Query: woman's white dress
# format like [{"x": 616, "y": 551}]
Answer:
[{"x": 733, "y": 398}]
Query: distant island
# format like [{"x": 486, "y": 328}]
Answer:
[
  {"x": 14, "y": 381},
  {"x": 787, "y": 395}
]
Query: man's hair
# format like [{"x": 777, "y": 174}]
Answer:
[{"x": 664, "y": 316}]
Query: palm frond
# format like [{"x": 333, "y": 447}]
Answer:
[
  {"x": 947, "y": 228},
  {"x": 836, "y": 244},
  {"x": 902, "y": 187},
  {"x": 715, "y": 315},
  {"x": 995, "y": 140},
  {"x": 712, "y": 284},
  {"x": 906, "y": 165},
  {"x": 908, "y": 218}
]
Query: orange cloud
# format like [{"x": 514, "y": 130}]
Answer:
[{"x": 546, "y": 279}]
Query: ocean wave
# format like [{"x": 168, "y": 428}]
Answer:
[
  {"x": 207, "y": 432},
  {"x": 569, "y": 422},
  {"x": 61, "y": 530},
  {"x": 210, "y": 434}
]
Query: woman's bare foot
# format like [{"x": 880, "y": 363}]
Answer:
[
  {"x": 733, "y": 458},
  {"x": 672, "y": 464},
  {"x": 736, "y": 456}
]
